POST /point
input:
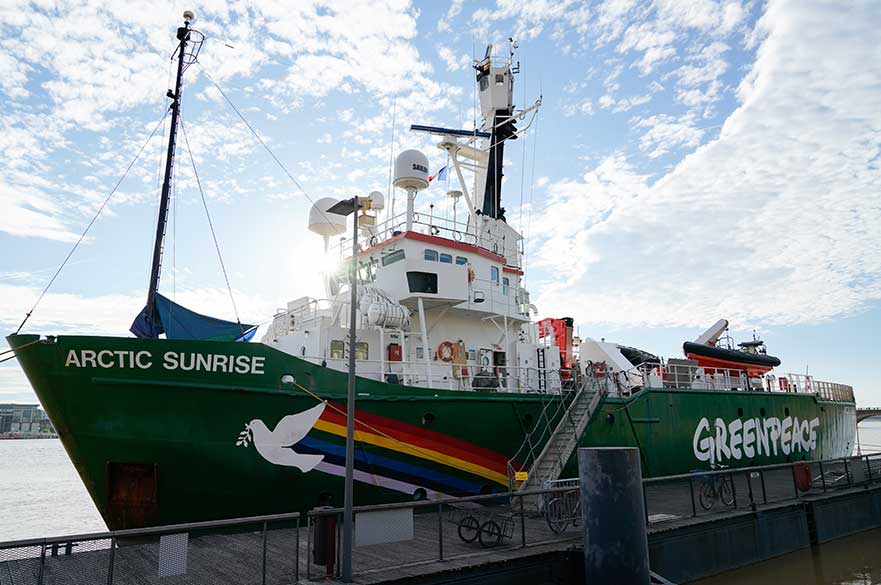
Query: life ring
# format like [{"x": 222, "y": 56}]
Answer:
[
  {"x": 471, "y": 275},
  {"x": 447, "y": 351}
]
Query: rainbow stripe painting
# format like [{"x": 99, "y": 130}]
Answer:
[{"x": 405, "y": 458}]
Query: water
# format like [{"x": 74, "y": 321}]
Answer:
[
  {"x": 854, "y": 560},
  {"x": 41, "y": 493}
]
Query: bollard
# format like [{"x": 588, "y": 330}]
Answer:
[{"x": 615, "y": 541}]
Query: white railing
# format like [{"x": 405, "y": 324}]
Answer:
[
  {"x": 666, "y": 375},
  {"x": 427, "y": 224},
  {"x": 443, "y": 375}
]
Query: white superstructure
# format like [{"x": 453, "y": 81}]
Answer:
[{"x": 442, "y": 302}]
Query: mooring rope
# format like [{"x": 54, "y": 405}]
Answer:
[
  {"x": 20, "y": 347},
  {"x": 91, "y": 223}
]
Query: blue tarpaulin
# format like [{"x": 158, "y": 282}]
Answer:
[{"x": 178, "y": 322}]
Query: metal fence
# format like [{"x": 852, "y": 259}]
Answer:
[
  {"x": 705, "y": 493},
  {"x": 276, "y": 549},
  {"x": 258, "y": 550},
  {"x": 410, "y": 534}
]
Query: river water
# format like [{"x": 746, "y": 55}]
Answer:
[{"x": 42, "y": 495}]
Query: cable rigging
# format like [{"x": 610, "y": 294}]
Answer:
[
  {"x": 94, "y": 219},
  {"x": 210, "y": 224}
]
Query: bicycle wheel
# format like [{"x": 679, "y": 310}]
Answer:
[
  {"x": 490, "y": 534},
  {"x": 707, "y": 495},
  {"x": 469, "y": 528},
  {"x": 726, "y": 491},
  {"x": 557, "y": 515}
]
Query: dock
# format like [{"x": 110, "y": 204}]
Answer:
[{"x": 770, "y": 512}]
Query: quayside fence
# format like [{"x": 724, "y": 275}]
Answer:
[{"x": 409, "y": 537}]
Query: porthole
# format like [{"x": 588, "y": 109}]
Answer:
[
  {"x": 288, "y": 380},
  {"x": 762, "y": 412},
  {"x": 739, "y": 413},
  {"x": 527, "y": 421},
  {"x": 427, "y": 419},
  {"x": 786, "y": 411},
  {"x": 610, "y": 418}
]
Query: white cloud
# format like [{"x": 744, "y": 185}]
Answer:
[
  {"x": 453, "y": 62},
  {"x": 775, "y": 222},
  {"x": 528, "y": 18},
  {"x": 666, "y": 133}
]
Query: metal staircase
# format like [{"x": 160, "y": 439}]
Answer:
[{"x": 545, "y": 459}]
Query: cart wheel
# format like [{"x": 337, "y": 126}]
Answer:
[
  {"x": 469, "y": 528},
  {"x": 490, "y": 534}
]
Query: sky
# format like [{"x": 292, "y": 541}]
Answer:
[{"x": 690, "y": 160}]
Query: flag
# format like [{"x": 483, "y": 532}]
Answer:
[{"x": 440, "y": 175}]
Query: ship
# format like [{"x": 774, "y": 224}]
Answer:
[{"x": 460, "y": 389}]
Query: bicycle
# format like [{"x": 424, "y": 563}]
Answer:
[
  {"x": 562, "y": 510},
  {"x": 716, "y": 487}
]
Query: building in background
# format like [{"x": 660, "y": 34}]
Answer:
[{"x": 24, "y": 419}]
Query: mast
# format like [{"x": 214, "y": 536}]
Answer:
[
  {"x": 183, "y": 35},
  {"x": 145, "y": 324},
  {"x": 495, "y": 80}
]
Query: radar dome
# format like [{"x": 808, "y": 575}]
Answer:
[
  {"x": 324, "y": 223},
  {"x": 377, "y": 200},
  {"x": 411, "y": 170}
]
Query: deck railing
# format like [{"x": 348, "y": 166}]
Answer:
[
  {"x": 724, "y": 490},
  {"x": 429, "y": 224},
  {"x": 260, "y": 549},
  {"x": 674, "y": 375}
]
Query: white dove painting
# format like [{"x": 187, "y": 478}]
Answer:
[{"x": 275, "y": 446}]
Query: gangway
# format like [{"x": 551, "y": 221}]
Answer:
[{"x": 555, "y": 451}]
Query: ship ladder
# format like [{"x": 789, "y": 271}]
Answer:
[{"x": 562, "y": 442}]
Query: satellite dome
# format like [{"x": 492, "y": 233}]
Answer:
[
  {"x": 323, "y": 223},
  {"x": 377, "y": 200},
  {"x": 411, "y": 170}
]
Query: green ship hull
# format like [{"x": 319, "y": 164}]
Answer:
[{"x": 174, "y": 431}]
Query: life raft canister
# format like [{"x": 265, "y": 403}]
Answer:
[
  {"x": 447, "y": 351},
  {"x": 801, "y": 472}
]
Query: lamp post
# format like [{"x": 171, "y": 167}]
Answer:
[{"x": 348, "y": 207}]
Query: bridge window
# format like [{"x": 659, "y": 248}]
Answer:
[
  {"x": 337, "y": 349},
  {"x": 393, "y": 257},
  {"x": 431, "y": 255},
  {"x": 494, "y": 274},
  {"x": 506, "y": 282},
  {"x": 422, "y": 282},
  {"x": 446, "y": 259},
  {"x": 361, "y": 350},
  {"x": 461, "y": 260}
]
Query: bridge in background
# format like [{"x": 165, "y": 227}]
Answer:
[{"x": 864, "y": 413}]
